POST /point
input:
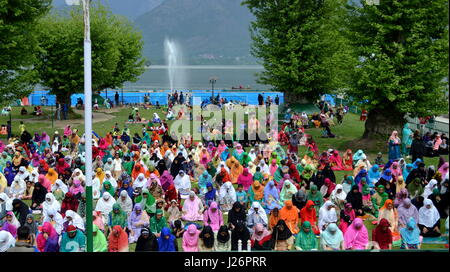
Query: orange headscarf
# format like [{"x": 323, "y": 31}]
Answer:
[
  {"x": 273, "y": 220},
  {"x": 137, "y": 169},
  {"x": 258, "y": 190},
  {"x": 289, "y": 213},
  {"x": 236, "y": 169},
  {"x": 109, "y": 138},
  {"x": 52, "y": 175}
]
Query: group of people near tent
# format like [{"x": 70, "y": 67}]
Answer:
[{"x": 154, "y": 193}]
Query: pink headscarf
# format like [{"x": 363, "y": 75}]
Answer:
[
  {"x": 355, "y": 238},
  {"x": 76, "y": 187},
  {"x": 67, "y": 131},
  {"x": 221, "y": 147},
  {"x": 394, "y": 137},
  {"x": 153, "y": 177},
  {"x": 239, "y": 149},
  {"x": 190, "y": 239},
  {"x": 191, "y": 208},
  {"x": 437, "y": 143},
  {"x": 52, "y": 234},
  {"x": 396, "y": 172},
  {"x": 281, "y": 183},
  {"x": 166, "y": 180},
  {"x": 443, "y": 170},
  {"x": 273, "y": 167},
  {"x": 246, "y": 179},
  {"x": 213, "y": 219},
  {"x": 258, "y": 228},
  {"x": 45, "y": 182}
]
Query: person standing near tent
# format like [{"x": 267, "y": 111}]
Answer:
[{"x": 116, "y": 98}]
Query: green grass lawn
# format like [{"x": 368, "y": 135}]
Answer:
[{"x": 347, "y": 134}]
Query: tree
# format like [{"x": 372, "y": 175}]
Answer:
[
  {"x": 18, "y": 46},
  {"x": 402, "y": 47},
  {"x": 116, "y": 52},
  {"x": 300, "y": 45}
]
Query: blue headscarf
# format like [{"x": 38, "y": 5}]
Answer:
[
  {"x": 416, "y": 164},
  {"x": 129, "y": 189},
  {"x": 388, "y": 165},
  {"x": 224, "y": 155},
  {"x": 361, "y": 174},
  {"x": 164, "y": 244},
  {"x": 204, "y": 179},
  {"x": 9, "y": 173},
  {"x": 385, "y": 176},
  {"x": 411, "y": 234},
  {"x": 374, "y": 174},
  {"x": 406, "y": 172},
  {"x": 358, "y": 155},
  {"x": 210, "y": 195}
]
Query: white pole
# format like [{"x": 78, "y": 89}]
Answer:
[{"x": 88, "y": 119}]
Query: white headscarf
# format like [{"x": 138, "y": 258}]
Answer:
[
  {"x": 79, "y": 177},
  {"x": 127, "y": 204},
  {"x": 183, "y": 151},
  {"x": 264, "y": 167},
  {"x": 34, "y": 177},
  {"x": 105, "y": 203},
  {"x": 252, "y": 154},
  {"x": 77, "y": 221},
  {"x": 18, "y": 186},
  {"x": 53, "y": 203},
  {"x": 8, "y": 203},
  {"x": 261, "y": 211},
  {"x": 183, "y": 183},
  {"x": 111, "y": 179},
  {"x": 222, "y": 163},
  {"x": 25, "y": 174},
  {"x": 327, "y": 216},
  {"x": 428, "y": 217},
  {"x": 57, "y": 217},
  {"x": 227, "y": 189},
  {"x": 6, "y": 241},
  {"x": 429, "y": 188},
  {"x": 336, "y": 195},
  {"x": 60, "y": 185},
  {"x": 140, "y": 181}
]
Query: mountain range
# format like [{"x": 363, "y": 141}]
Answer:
[{"x": 208, "y": 31}]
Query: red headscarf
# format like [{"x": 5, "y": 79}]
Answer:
[
  {"x": 381, "y": 236},
  {"x": 330, "y": 186},
  {"x": 118, "y": 240},
  {"x": 61, "y": 166},
  {"x": 308, "y": 215}
]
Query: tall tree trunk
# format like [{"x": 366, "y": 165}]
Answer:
[
  {"x": 382, "y": 123},
  {"x": 64, "y": 98}
]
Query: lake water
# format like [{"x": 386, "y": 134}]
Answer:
[{"x": 196, "y": 77}]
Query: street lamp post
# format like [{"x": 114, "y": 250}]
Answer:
[
  {"x": 87, "y": 117},
  {"x": 213, "y": 81}
]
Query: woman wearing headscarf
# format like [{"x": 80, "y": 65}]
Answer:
[
  {"x": 256, "y": 215},
  {"x": 306, "y": 239},
  {"x": 428, "y": 190},
  {"x": 410, "y": 235},
  {"x": 204, "y": 179},
  {"x": 72, "y": 218},
  {"x": 105, "y": 204},
  {"x": 271, "y": 197},
  {"x": 38, "y": 195},
  {"x": 415, "y": 188},
  {"x": 429, "y": 220},
  {"x": 389, "y": 213},
  {"x": 118, "y": 240},
  {"x": 346, "y": 217},
  {"x": 166, "y": 241},
  {"x": 316, "y": 196},
  {"x": 222, "y": 239},
  {"x": 236, "y": 215},
  {"x": 327, "y": 215},
  {"x": 213, "y": 217},
  {"x": 287, "y": 192},
  {"x": 190, "y": 239},
  {"x": 239, "y": 232},
  {"x": 227, "y": 196},
  {"x": 206, "y": 240},
  {"x": 373, "y": 175},
  {"x": 246, "y": 179},
  {"x": 382, "y": 236},
  {"x": 33, "y": 227},
  {"x": 192, "y": 208},
  {"x": 282, "y": 238},
  {"x": 6, "y": 241},
  {"x": 261, "y": 238},
  {"x": 299, "y": 199},
  {"x": 100, "y": 244},
  {"x": 332, "y": 238},
  {"x": 47, "y": 240},
  {"x": 157, "y": 222},
  {"x": 256, "y": 192},
  {"x": 117, "y": 217},
  {"x": 18, "y": 187},
  {"x": 136, "y": 221},
  {"x": 356, "y": 237},
  {"x": 147, "y": 242},
  {"x": 290, "y": 215},
  {"x": 308, "y": 213},
  {"x": 76, "y": 189},
  {"x": 378, "y": 199},
  {"x": 182, "y": 183},
  {"x": 405, "y": 211},
  {"x": 338, "y": 197},
  {"x": 394, "y": 146},
  {"x": 50, "y": 202},
  {"x": 444, "y": 170},
  {"x": 147, "y": 201}
]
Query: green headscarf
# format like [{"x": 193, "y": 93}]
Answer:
[
  {"x": 111, "y": 190},
  {"x": 306, "y": 240},
  {"x": 317, "y": 197},
  {"x": 118, "y": 219},
  {"x": 244, "y": 159},
  {"x": 148, "y": 204},
  {"x": 258, "y": 176},
  {"x": 99, "y": 240},
  {"x": 156, "y": 225},
  {"x": 211, "y": 169}
]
